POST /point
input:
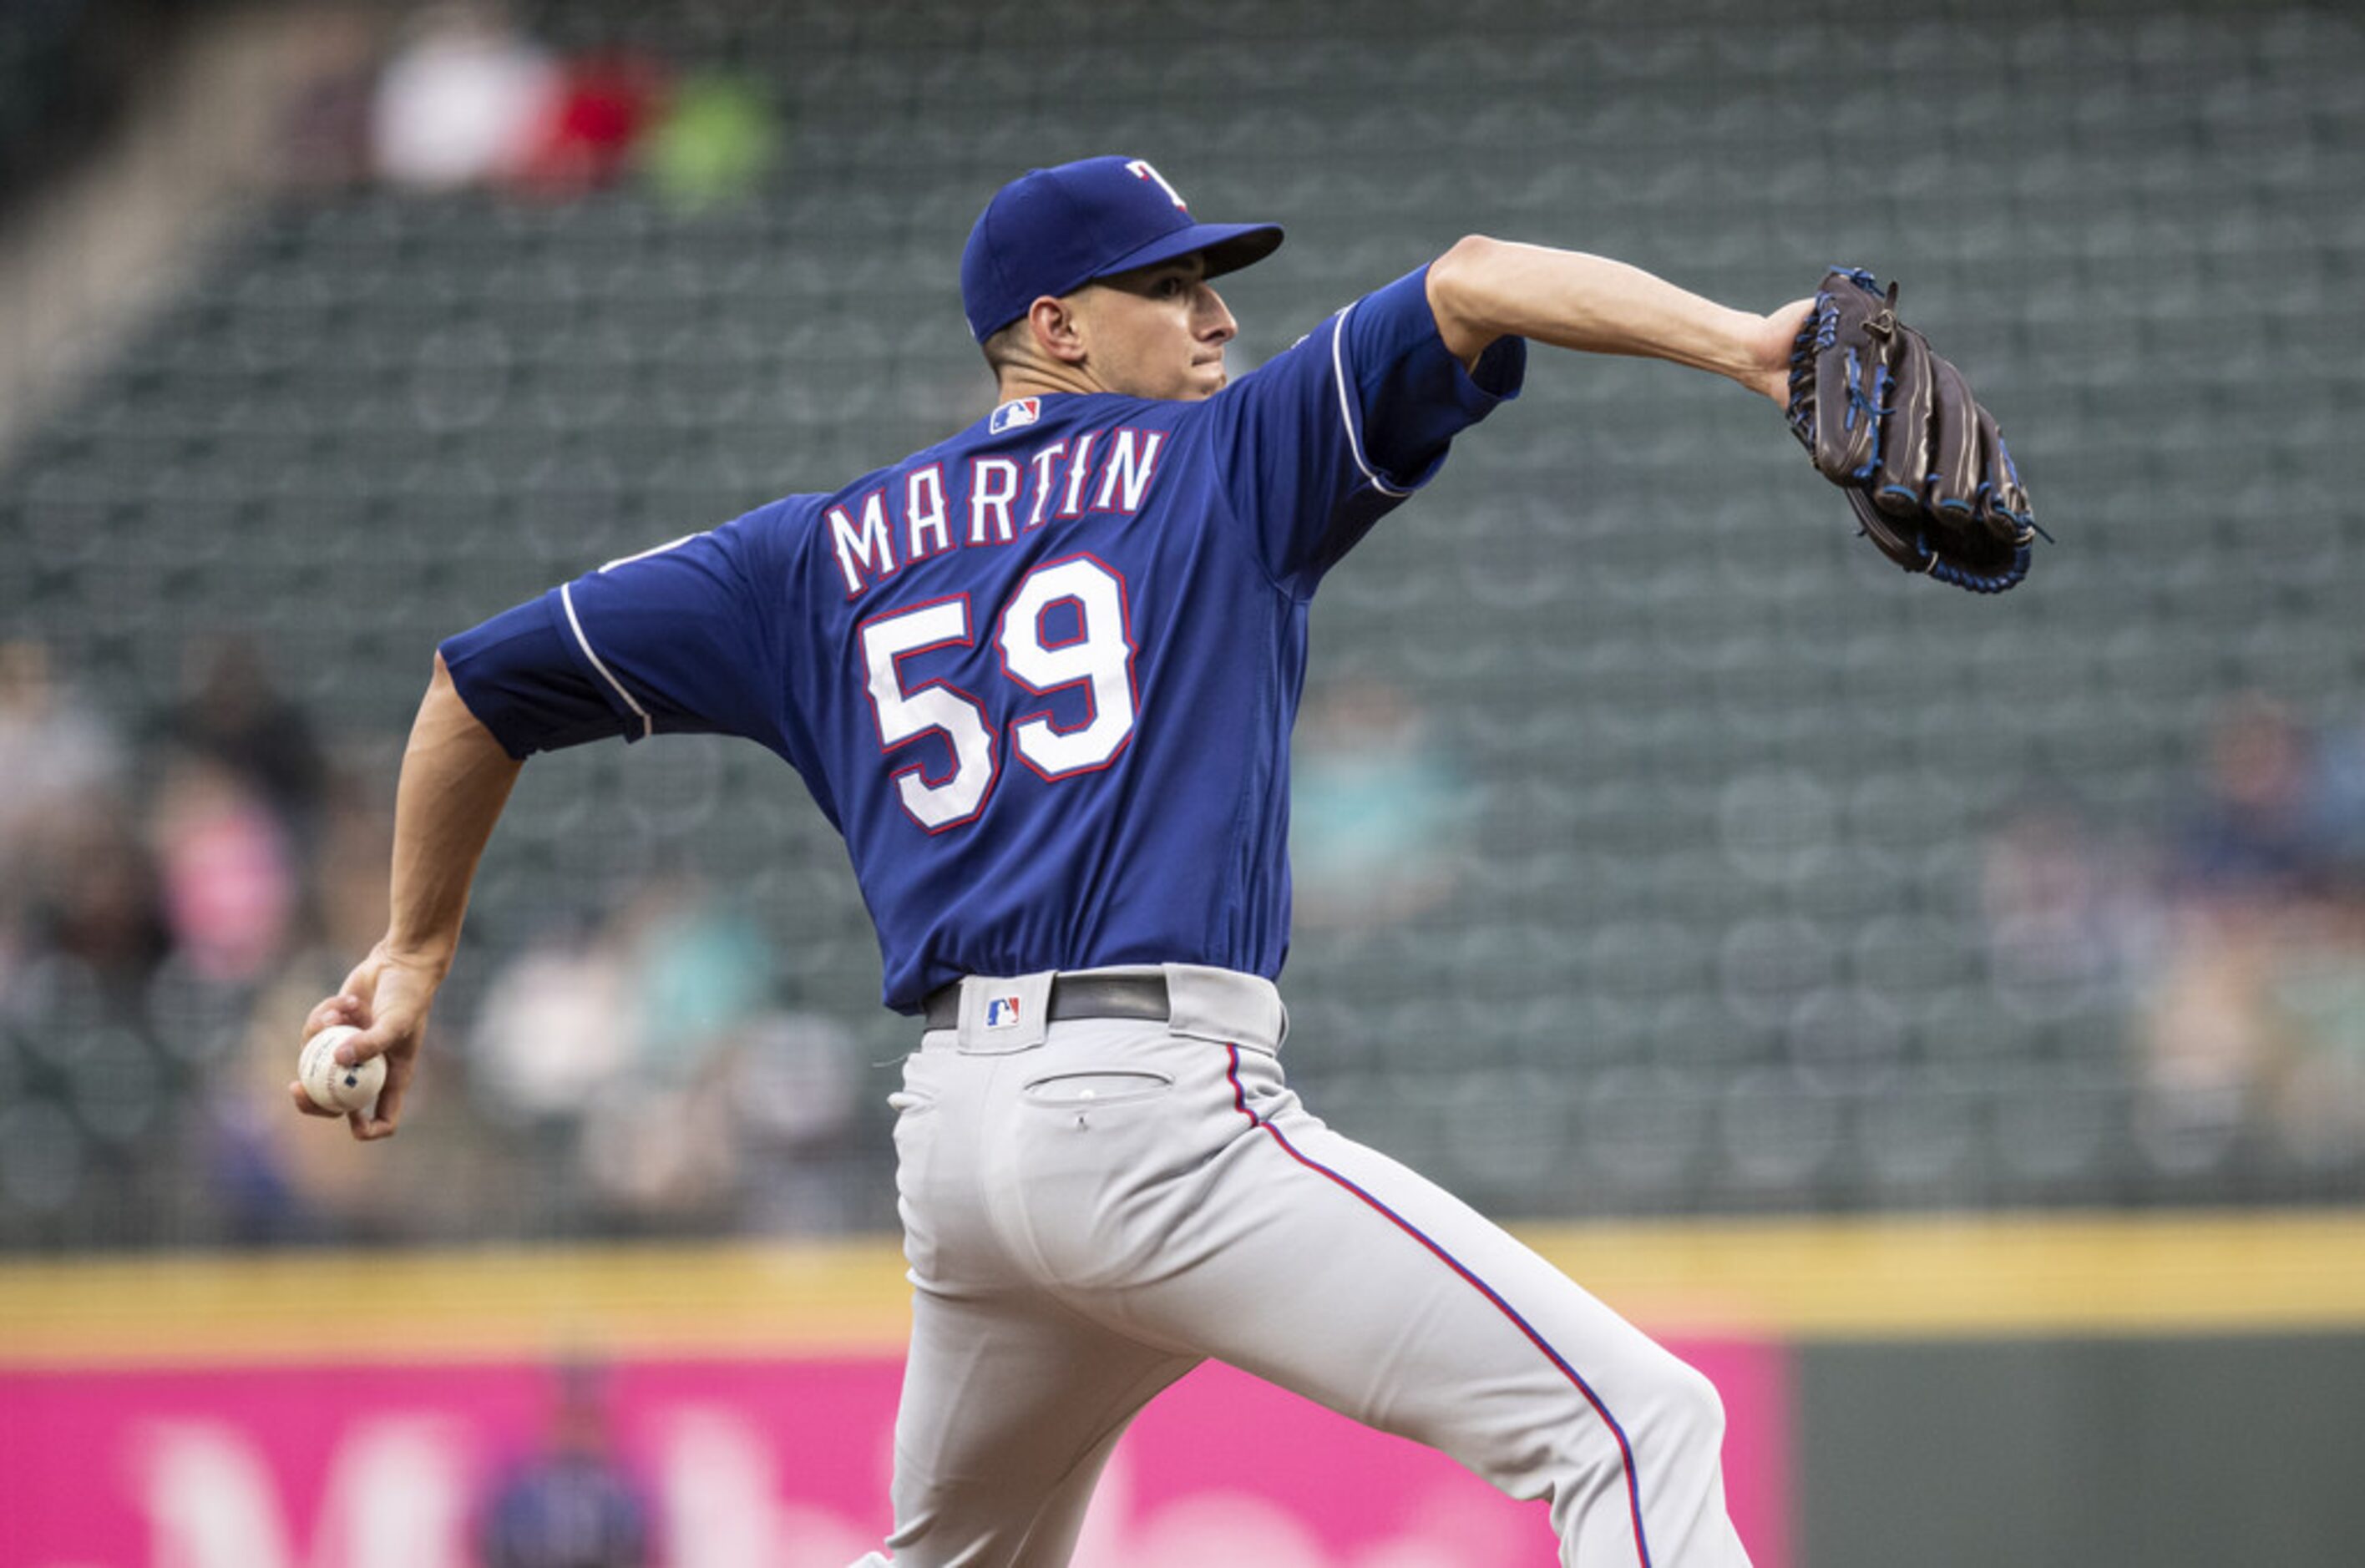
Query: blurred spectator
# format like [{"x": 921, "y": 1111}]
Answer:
[
  {"x": 267, "y": 1183},
  {"x": 1374, "y": 836},
  {"x": 2252, "y": 833},
  {"x": 661, "y": 1158},
  {"x": 93, "y": 895},
  {"x": 233, "y": 715},
  {"x": 55, "y": 753},
  {"x": 2338, "y": 807},
  {"x": 715, "y": 143},
  {"x": 2319, "y": 1094},
  {"x": 701, "y": 971},
  {"x": 258, "y": 1178},
  {"x": 229, "y": 872},
  {"x": 2066, "y": 914},
  {"x": 574, "y": 1504},
  {"x": 792, "y": 1082},
  {"x": 652, "y": 1046},
  {"x": 661, "y": 1144},
  {"x": 2211, "y": 1041},
  {"x": 555, "y": 1025},
  {"x": 2258, "y": 1021},
  {"x": 2252, "y": 1022},
  {"x": 74, "y": 880},
  {"x": 651, "y": 997},
  {"x": 352, "y": 862},
  {"x": 324, "y": 138},
  {"x": 591, "y": 124},
  {"x": 462, "y": 101}
]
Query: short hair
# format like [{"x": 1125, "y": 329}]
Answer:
[{"x": 1002, "y": 346}]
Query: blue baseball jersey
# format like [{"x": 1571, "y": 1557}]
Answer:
[{"x": 1041, "y": 677}]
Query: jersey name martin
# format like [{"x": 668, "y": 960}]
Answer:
[{"x": 989, "y": 499}]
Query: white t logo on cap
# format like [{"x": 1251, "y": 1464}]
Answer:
[{"x": 1140, "y": 170}]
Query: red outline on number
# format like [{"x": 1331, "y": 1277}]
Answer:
[
  {"x": 968, "y": 639},
  {"x": 1083, "y": 622},
  {"x": 1083, "y": 628}
]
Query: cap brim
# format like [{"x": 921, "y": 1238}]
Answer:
[{"x": 1229, "y": 247}]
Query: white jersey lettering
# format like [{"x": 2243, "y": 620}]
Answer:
[
  {"x": 1042, "y": 464},
  {"x": 1094, "y": 472},
  {"x": 924, "y": 512},
  {"x": 992, "y": 486},
  {"x": 1125, "y": 478},
  {"x": 866, "y": 546},
  {"x": 1080, "y": 470}
]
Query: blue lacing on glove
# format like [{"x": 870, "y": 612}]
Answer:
[
  {"x": 1875, "y": 407},
  {"x": 1928, "y": 563},
  {"x": 1821, "y": 332},
  {"x": 1983, "y": 582}
]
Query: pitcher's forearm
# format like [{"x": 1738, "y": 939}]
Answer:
[
  {"x": 1483, "y": 289},
  {"x": 455, "y": 780}
]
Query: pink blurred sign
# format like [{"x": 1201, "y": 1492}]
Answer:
[{"x": 775, "y": 1463}]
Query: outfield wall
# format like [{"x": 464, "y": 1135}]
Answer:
[{"x": 2072, "y": 1390}]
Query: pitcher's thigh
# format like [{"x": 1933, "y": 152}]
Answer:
[
  {"x": 1347, "y": 1277},
  {"x": 1009, "y": 1410}
]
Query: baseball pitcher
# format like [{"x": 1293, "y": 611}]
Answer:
[{"x": 1041, "y": 677}]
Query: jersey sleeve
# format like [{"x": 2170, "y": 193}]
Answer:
[
  {"x": 677, "y": 640},
  {"x": 1326, "y": 438}
]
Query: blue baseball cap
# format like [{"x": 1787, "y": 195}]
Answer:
[{"x": 1053, "y": 230}]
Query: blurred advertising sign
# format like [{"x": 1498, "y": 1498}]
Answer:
[{"x": 731, "y": 1463}]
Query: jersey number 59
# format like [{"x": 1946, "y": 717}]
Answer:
[{"x": 1095, "y": 652}]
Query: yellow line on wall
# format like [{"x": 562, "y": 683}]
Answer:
[
  {"x": 456, "y": 1305},
  {"x": 2250, "y": 1272},
  {"x": 2266, "y": 1272}
]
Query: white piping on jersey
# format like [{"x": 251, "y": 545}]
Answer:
[
  {"x": 1346, "y": 412},
  {"x": 566, "y": 598},
  {"x": 645, "y": 555}
]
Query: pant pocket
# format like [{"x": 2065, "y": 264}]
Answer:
[{"x": 1106, "y": 1086}]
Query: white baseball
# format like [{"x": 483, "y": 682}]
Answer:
[{"x": 332, "y": 1085}]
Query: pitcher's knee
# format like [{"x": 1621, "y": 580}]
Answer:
[
  {"x": 1652, "y": 1476},
  {"x": 1669, "y": 1414},
  {"x": 1660, "y": 1414},
  {"x": 1686, "y": 1410}
]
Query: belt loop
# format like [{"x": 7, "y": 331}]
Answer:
[{"x": 1224, "y": 1006}]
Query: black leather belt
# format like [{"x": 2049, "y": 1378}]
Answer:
[{"x": 1073, "y": 996}]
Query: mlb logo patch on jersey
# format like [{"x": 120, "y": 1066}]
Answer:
[
  {"x": 1002, "y": 1012},
  {"x": 1016, "y": 413}
]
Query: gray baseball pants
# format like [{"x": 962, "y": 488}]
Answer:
[{"x": 1093, "y": 1207}]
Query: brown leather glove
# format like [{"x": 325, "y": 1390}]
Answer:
[{"x": 1896, "y": 426}]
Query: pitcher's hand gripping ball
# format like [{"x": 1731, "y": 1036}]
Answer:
[
  {"x": 1894, "y": 426},
  {"x": 332, "y": 1085}
]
